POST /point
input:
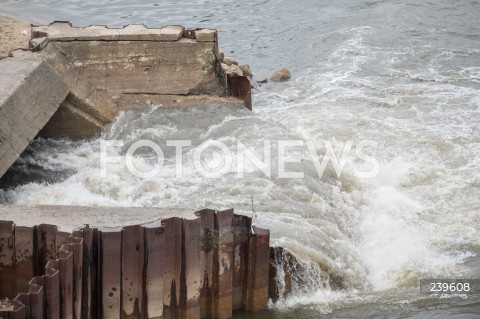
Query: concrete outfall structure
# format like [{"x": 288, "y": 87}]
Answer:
[
  {"x": 73, "y": 81},
  {"x": 201, "y": 268}
]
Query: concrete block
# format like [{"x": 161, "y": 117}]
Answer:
[
  {"x": 155, "y": 68},
  {"x": 71, "y": 121},
  {"x": 94, "y": 102},
  {"x": 205, "y": 35},
  {"x": 171, "y": 33},
  {"x": 36, "y": 44},
  {"x": 24, "y": 106},
  {"x": 64, "y": 31}
]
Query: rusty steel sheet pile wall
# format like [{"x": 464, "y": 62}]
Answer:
[{"x": 201, "y": 268}]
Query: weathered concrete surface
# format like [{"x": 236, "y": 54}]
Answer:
[
  {"x": 64, "y": 31},
  {"x": 78, "y": 79},
  {"x": 14, "y": 34},
  {"x": 30, "y": 93},
  {"x": 137, "y": 66},
  {"x": 185, "y": 67}
]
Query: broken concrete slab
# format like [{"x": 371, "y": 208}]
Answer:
[
  {"x": 24, "y": 105},
  {"x": 71, "y": 121},
  {"x": 64, "y": 31},
  {"x": 205, "y": 35}
]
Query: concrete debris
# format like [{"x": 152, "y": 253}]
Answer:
[
  {"x": 234, "y": 70},
  {"x": 281, "y": 75},
  {"x": 205, "y": 35},
  {"x": 64, "y": 31},
  {"x": 229, "y": 61},
  {"x": 247, "y": 71}
]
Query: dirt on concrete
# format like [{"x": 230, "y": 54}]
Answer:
[{"x": 14, "y": 34}]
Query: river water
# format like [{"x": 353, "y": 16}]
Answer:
[{"x": 404, "y": 74}]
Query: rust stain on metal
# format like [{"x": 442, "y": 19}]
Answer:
[
  {"x": 155, "y": 254},
  {"x": 133, "y": 243},
  {"x": 52, "y": 291},
  {"x": 240, "y": 87},
  {"x": 207, "y": 222},
  {"x": 24, "y": 257},
  {"x": 8, "y": 282},
  {"x": 224, "y": 265},
  {"x": 110, "y": 270},
  {"x": 172, "y": 270},
  {"x": 176, "y": 268}
]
